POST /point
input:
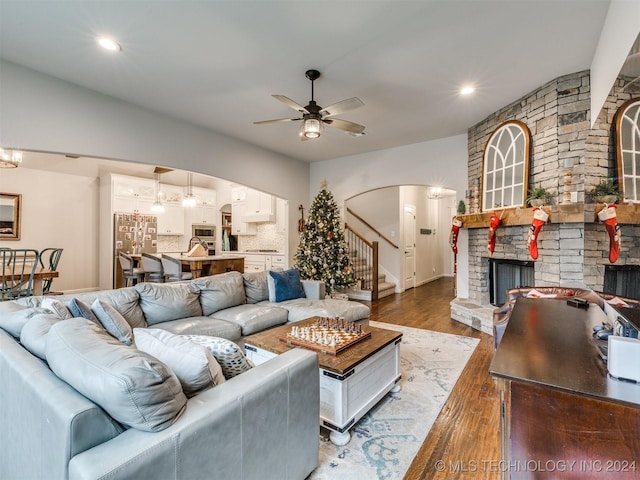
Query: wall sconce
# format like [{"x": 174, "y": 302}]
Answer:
[{"x": 10, "y": 158}]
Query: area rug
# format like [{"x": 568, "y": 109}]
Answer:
[{"x": 385, "y": 441}]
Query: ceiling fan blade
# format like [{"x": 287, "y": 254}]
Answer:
[
  {"x": 290, "y": 103},
  {"x": 341, "y": 107},
  {"x": 277, "y": 120},
  {"x": 345, "y": 125}
]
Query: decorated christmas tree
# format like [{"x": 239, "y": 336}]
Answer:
[{"x": 323, "y": 253}]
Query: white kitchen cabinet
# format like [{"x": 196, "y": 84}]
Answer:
[
  {"x": 205, "y": 197},
  {"x": 132, "y": 194},
  {"x": 260, "y": 207},
  {"x": 282, "y": 218},
  {"x": 238, "y": 194},
  {"x": 239, "y": 227},
  {"x": 172, "y": 220},
  {"x": 205, "y": 209}
]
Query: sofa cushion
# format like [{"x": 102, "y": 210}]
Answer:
[
  {"x": 253, "y": 318},
  {"x": 56, "y": 307},
  {"x": 284, "y": 285},
  {"x": 230, "y": 357},
  {"x": 193, "y": 364},
  {"x": 132, "y": 386},
  {"x": 255, "y": 286},
  {"x": 14, "y": 317},
  {"x": 220, "y": 291},
  {"x": 80, "y": 309},
  {"x": 163, "y": 302},
  {"x": 112, "y": 321},
  {"x": 34, "y": 334},
  {"x": 301, "y": 308},
  {"x": 202, "y": 326}
]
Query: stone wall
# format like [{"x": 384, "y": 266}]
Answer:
[{"x": 558, "y": 116}]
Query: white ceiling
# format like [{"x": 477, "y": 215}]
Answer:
[{"x": 216, "y": 63}]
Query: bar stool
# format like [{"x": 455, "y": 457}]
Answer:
[
  {"x": 173, "y": 269},
  {"x": 130, "y": 274},
  {"x": 152, "y": 267}
]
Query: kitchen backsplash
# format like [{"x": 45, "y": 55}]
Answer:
[{"x": 266, "y": 238}]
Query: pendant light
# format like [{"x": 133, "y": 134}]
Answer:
[
  {"x": 189, "y": 200},
  {"x": 157, "y": 206}
]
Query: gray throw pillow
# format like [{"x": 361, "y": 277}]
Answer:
[
  {"x": 79, "y": 309},
  {"x": 133, "y": 387},
  {"x": 193, "y": 364},
  {"x": 230, "y": 357},
  {"x": 112, "y": 321},
  {"x": 57, "y": 307}
]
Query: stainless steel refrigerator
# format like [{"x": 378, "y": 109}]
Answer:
[{"x": 134, "y": 233}]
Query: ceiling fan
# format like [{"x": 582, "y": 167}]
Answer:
[{"x": 314, "y": 116}]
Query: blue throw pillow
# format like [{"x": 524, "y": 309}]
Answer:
[
  {"x": 81, "y": 310},
  {"x": 286, "y": 285}
]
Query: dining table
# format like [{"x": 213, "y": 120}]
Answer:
[{"x": 39, "y": 276}]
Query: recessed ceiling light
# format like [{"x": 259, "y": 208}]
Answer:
[
  {"x": 467, "y": 90},
  {"x": 109, "y": 44}
]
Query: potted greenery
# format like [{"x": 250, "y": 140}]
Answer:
[
  {"x": 606, "y": 192},
  {"x": 539, "y": 196}
]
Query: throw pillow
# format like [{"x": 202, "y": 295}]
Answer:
[
  {"x": 618, "y": 302},
  {"x": 112, "y": 321},
  {"x": 57, "y": 307},
  {"x": 537, "y": 294},
  {"x": 34, "y": 334},
  {"x": 133, "y": 387},
  {"x": 13, "y": 321},
  {"x": 230, "y": 357},
  {"x": 80, "y": 309},
  {"x": 193, "y": 364},
  {"x": 284, "y": 285}
]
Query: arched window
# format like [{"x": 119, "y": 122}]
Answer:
[
  {"x": 505, "y": 167},
  {"x": 628, "y": 149}
]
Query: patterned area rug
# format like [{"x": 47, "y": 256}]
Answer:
[{"x": 385, "y": 441}]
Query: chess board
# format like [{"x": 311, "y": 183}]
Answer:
[{"x": 326, "y": 335}]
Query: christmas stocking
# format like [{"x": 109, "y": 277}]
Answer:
[
  {"x": 494, "y": 223},
  {"x": 455, "y": 228},
  {"x": 540, "y": 217},
  {"x": 608, "y": 216}
]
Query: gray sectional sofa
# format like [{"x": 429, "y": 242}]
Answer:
[{"x": 262, "y": 423}]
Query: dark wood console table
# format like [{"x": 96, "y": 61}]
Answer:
[{"x": 563, "y": 416}]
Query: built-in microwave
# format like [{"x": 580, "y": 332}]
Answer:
[{"x": 203, "y": 231}]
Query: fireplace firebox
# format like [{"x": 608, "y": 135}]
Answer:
[{"x": 505, "y": 274}]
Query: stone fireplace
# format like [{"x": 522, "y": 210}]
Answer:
[{"x": 573, "y": 247}]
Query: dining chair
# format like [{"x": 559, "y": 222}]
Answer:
[
  {"x": 49, "y": 260},
  {"x": 173, "y": 269},
  {"x": 130, "y": 273},
  {"x": 152, "y": 267},
  {"x": 17, "y": 268}
]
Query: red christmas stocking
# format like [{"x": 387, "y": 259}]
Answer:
[
  {"x": 455, "y": 228},
  {"x": 609, "y": 217},
  {"x": 494, "y": 223},
  {"x": 540, "y": 217}
]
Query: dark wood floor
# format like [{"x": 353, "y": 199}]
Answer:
[{"x": 465, "y": 439}]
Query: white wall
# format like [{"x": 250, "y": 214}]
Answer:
[
  {"x": 42, "y": 113},
  {"x": 58, "y": 210}
]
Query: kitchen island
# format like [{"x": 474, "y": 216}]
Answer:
[{"x": 211, "y": 264}]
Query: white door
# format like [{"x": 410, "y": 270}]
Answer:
[{"x": 409, "y": 246}]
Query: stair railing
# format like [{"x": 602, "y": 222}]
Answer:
[{"x": 365, "y": 261}]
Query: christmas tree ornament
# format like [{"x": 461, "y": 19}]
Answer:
[
  {"x": 609, "y": 217},
  {"x": 453, "y": 238},
  {"x": 540, "y": 217},
  {"x": 494, "y": 223}
]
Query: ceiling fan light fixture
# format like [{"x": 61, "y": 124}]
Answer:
[
  {"x": 311, "y": 127},
  {"x": 109, "y": 44}
]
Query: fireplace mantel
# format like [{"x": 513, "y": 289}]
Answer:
[{"x": 565, "y": 213}]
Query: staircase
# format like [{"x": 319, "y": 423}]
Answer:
[{"x": 372, "y": 284}]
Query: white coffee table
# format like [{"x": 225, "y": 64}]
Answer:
[{"x": 351, "y": 382}]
